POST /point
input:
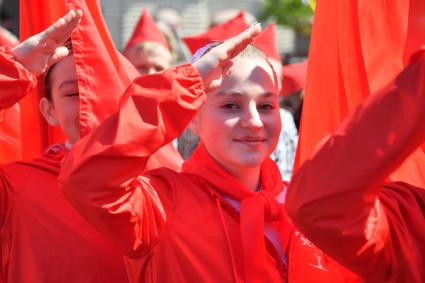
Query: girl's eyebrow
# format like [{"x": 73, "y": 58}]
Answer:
[
  {"x": 233, "y": 92},
  {"x": 73, "y": 82},
  {"x": 238, "y": 93}
]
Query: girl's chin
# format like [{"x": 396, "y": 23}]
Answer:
[
  {"x": 251, "y": 161},
  {"x": 234, "y": 157}
]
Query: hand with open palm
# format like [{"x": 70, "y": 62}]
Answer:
[
  {"x": 217, "y": 63},
  {"x": 42, "y": 50}
]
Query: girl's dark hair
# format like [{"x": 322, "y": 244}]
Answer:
[{"x": 46, "y": 79}]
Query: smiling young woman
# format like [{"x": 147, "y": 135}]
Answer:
[
  {"x": 239, "y": 124},
  {"x": 222, "y": 218}
]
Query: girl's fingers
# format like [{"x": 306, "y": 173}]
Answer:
[
  {"x": 71, "y": 25},
  {"x": 53, "y": 29},
  {"x": 228, "y": 68},
  {"x": 235, "y": 45},
  {"x": 61, "y": 30},
  {"x": 218, "y": 61}
]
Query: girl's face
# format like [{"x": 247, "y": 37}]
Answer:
[
  {"x": 240, "y": 123},
  {"x": 64, "y": 108}
]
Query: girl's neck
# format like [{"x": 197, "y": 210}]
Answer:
[{"x": 250, "y": 176}]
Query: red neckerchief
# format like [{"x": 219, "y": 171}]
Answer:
[
  {"x": 256, "y": 207},
  {"x": 50, "y": 160}
]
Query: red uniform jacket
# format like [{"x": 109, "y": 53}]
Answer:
[
  {"x": 43, "y": 238},
  {"x": 171, "y": 227},
  {"x": 338, "y": 199},
  {"x": 15, "y": 80}
]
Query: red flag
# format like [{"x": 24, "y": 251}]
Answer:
[
  {"x": 356, "y": 49},
  {"x": 90, "y": 40},
  {"x": 103, "y": 76},
  {"x": 293, "y": 78},
  {"x": 103, "y": 73},
  {"x": 36, "y": 135},
  {"x": 35, "y": 17}
]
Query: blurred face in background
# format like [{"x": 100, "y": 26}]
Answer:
[{"x": 149, "y": 57}]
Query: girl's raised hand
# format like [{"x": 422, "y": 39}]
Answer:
[
  {"x": 217, "y": 63},
  {"x": 42, "y": 50}
]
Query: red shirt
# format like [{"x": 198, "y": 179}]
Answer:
[
  {"x": 43, "y": 238},
  {"x": 169, "y": 224}
]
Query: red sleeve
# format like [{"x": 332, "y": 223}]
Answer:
[
  {"x": 100, "y": 176},
  {"x": 333, "y": 198},
  {"x": 404, "y": 206},
  {"x": 15, "y": 80}
]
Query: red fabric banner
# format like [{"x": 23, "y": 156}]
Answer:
[
  {"x": 356, "y": 49},
  {"x": 36, "y": 135}
]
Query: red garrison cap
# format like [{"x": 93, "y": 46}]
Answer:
[
  {"x": 294, "y": 77},
  {"x": 217, "y": 33},
  {"x": 266, "y": 42},
  {"x": 146, "y": 30}
]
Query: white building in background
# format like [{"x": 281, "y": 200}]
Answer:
[{"x": 122, "y": 15}]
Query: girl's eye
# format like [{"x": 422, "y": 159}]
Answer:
[
  {"x": 159, "y": 68},
  {"x": 230, "y": 106},
  {"x": 266, "y": 107},
  {"x": 72, "y": 94}
]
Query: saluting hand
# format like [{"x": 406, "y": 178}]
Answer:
[
  {"x": 217, "y": 63},
  {"x": 42, "y": 50}
]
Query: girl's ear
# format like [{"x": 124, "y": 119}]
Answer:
[{"x": 48, "y": 112}]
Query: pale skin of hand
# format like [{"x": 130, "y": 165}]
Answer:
[
  {"x": 42, "y": 50},
  {"x": 217, "y": 63}
]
